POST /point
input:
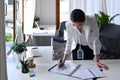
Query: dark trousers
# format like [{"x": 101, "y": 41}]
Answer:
[{"x": 88, "y": 53}]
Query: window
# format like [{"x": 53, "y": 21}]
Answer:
[
  {"x": 10, "y": 2},
  {"x": 64, "y": 10}
]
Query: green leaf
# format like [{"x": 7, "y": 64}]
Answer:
[
  {"x": 113, "y": 17},
  {"x": 103, "y": 18},
  {"x": 19, "y": 47}
]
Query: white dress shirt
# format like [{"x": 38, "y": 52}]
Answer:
[{"x": 89, "y": 36}]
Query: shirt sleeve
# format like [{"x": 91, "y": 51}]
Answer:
[
  {"x": 96, "y": 44},
  {"x": 69, "y": 39}
]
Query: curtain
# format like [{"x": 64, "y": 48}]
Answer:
[
  {"x": 90, "y": 7},
  {"x": 19, "y": 32},
  {"x": 113, "y": 7},
  {"x": 3, "y": 69},
  {"x": 29, "y": 12},
  {"x": 104, "y": 6}
]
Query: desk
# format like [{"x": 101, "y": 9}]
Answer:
[
  {"x": 38, "y": 32},
  {"x": 44, "y": 51},
  {"x": 112, "y": 74},
  {"x": 45, "y": 62}
]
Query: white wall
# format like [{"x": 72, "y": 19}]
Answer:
[
  {"x": 46, "y": 10},
  {"x": 2, "y": 43}
]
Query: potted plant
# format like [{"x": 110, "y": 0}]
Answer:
[
  {"x": 19, "y": 49},
  {"x": 109, "y": 35},
  {"x": 103, "y": 18},
  {"x": 36, "y": 22},
  {"x": 37, "y": 19}
]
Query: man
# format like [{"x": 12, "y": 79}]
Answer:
[{"x": 83, "y": 30}]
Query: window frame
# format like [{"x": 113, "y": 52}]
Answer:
[{"x": 57, "y": 14}]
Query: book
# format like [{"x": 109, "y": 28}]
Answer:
[{"x": 78, "y": 71}]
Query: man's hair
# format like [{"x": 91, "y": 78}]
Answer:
[{"x": 77, "y": 15}]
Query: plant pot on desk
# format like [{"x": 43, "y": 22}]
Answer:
[
  {"x": 19, "y": 52},
  {"x": 18, "y": 57}
]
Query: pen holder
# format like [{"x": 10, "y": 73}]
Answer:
[{"x": 25, "y": 66}]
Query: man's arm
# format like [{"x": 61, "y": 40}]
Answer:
[
  {"x": 99, "y": 64},
  {"x": 62, "y": 61},
  {"x": 68, "y": 44},
  {"x": 94, "y": 33}
]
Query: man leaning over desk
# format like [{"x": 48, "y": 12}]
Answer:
[{"x": 83, "y": 30}]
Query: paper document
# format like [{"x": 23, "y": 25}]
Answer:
[
  {"x": 88, "y": 73},
  {"x": 78, "y": 71},
  {"x": 67, "y": 69}
]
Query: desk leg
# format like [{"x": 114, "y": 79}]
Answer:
[{"x": 51, "y": 41}]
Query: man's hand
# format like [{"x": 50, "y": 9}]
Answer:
[
  {"x": 100, "y": 65},
  {"x": 60, "y": 63}
]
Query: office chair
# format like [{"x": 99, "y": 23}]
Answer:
[
  {"x": 59, "y": 42},
  {"x": 60, "y": 36},
  {"x": 110, "y": 40}
]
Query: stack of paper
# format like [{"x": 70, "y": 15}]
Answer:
[{"x": 78, "y": 71}]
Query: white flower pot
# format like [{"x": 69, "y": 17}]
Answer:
[{"x": 17, "y": 57}]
